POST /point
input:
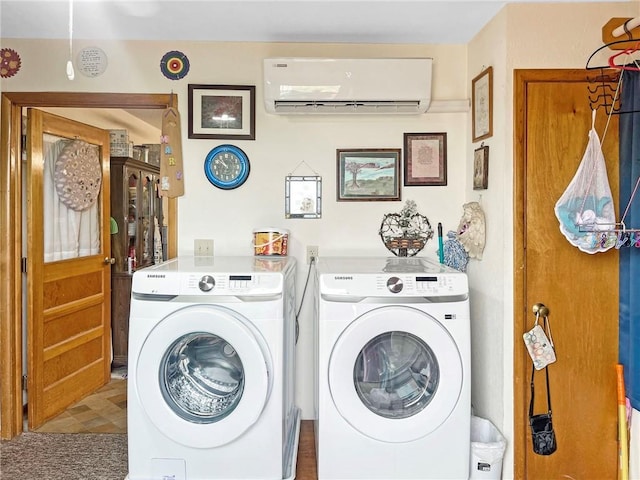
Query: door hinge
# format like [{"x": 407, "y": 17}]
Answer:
[
  {"x": 24, "y": 383},
  {"x": 23, "y": 264}
]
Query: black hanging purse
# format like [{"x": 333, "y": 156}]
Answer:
[{"x": 542, "y": 433}]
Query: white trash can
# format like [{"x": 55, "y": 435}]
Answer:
[{"x": 487, "y": 450}]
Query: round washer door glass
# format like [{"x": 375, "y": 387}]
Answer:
[
  {"x": 202, "y": 377},
  {"x": 396, "y": 375}
]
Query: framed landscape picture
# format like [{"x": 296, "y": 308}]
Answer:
[{"x": 368, "y": 174}]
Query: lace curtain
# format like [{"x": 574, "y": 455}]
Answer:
[{"x": 67, "y": 233}]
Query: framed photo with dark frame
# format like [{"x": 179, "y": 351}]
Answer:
[
  {"x": 368, "y": 174},
  {"x": 482, "y": 105},
  {"x": 481, "y": 168},
  {"x": 222, "y": 112},
  {"x": 425, "y": 159}
]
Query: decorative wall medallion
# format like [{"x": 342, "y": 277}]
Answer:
[
  {"x": 174, "y": 65},
  {"x": 78, "y": 175},
  {"x": 92, "y": 61},
  {"x": 9, "y": 62}
]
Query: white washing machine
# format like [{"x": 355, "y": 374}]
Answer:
[
  {"x": 211, "y": 370},
  {"x": 392, "y": 396}
]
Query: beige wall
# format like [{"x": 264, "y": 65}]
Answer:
[{"x": 284, "y": 145}]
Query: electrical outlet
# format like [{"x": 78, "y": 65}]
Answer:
[
  {"x": 312, "y": 252},
  {"x": 203, "y": 248}
]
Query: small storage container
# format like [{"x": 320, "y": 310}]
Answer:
[
  {"x": 270, "y": 241},
  {"x": 121, "y": 149}
]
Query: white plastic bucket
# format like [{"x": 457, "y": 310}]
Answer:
[{"x": 270, "y": 241}]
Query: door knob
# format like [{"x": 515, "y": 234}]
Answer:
[
  {"x": 541, "y": 309},
  {"x": 108, "y": 260}
]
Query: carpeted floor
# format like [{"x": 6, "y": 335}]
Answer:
[{"x": 68, "y": 456}]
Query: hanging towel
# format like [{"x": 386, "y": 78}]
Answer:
[{"x": 585, "y": 210}]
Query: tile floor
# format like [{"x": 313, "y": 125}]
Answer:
[{"x": 104, "y": 411}]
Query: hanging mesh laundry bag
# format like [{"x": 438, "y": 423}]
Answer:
[{"x": 585, "y": 210}]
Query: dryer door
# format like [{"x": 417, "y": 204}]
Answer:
[
  {"x": 204, "y": 375},
  {"x": 395, "y": 374}
]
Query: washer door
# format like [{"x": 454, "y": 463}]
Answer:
[
  {"x": 204, "y": 375},
  {"x": 395, "y": 374}
]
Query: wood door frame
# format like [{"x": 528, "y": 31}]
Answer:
[
  {"x": 521, "y": 79},
  {"x": 11, "y": 225}
]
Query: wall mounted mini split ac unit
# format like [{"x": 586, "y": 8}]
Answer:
[{"x": 342, "y": 86}]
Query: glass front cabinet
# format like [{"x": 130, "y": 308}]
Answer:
[{"x": 138, "y": 238}]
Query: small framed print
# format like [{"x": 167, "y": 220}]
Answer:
[
  {"x": 425, "y": 159},
  {"x": 303, "y": 196},
  {"x": 481, "y": 168},
  {"x": 482, "y": 105},
  {"x": 367, "y": 175},
  {"x": 222, "y": 112}
]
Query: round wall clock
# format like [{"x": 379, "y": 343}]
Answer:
[{"x": 227, "y": 167}]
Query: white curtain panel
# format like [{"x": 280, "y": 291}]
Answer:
[{"x": 67, "y": 233}]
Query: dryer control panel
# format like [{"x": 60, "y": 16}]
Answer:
[{"x": 401, "y": 285}]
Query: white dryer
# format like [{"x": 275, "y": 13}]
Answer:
[
  {"x": 392, "y": 398},
  {"x": 211, "y": 370}
]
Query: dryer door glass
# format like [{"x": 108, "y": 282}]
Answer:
[
  {"x": 396, "y": 375},
  {"x": 201, "y": 377}
]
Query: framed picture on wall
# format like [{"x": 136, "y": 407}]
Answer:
[
  {"x": 425, "y": 159},
  {"x": 222, "y": 112},
  {"x": 482, "y": 105},
  {"x": 303, "y": 196},
  {"x": 481, "y": 168},
  {"x": 368, "y": 174}
]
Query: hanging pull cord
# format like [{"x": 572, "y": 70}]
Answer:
[{"x": 70, "y": 73}]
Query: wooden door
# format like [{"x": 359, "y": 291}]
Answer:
[
  {"x": 68, "y": 300},
  {"x": 553, "y": 118}
]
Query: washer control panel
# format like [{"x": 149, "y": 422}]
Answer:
[
  {"x": 220, "y": 284},
  {"x": 198, "y": 283}
]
